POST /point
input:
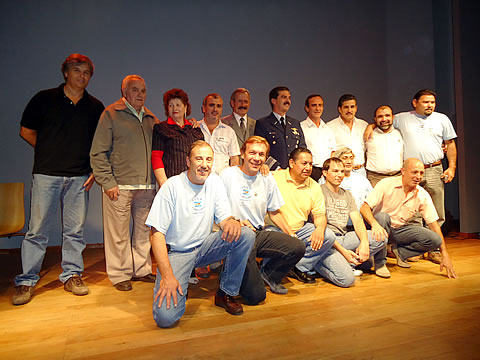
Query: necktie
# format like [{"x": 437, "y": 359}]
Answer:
[
  {"x": 282, "y": 122},
  {"x": 242, "y": 125}
]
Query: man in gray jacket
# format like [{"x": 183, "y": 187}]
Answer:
[{"x": 120, "y": 159}]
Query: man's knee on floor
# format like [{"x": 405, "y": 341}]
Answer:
[
  {"x": 166, "y": 318},
  {"x": 342, "y": 279},
  {"x": 346, "y": 281}
]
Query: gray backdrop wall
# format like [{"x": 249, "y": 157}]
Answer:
[{"x": 381, "y": 51}]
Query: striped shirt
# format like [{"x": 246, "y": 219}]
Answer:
[{"x": 171, "y": 145}]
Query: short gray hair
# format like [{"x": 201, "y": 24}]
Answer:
[
  {"x": 342, "y": 151},
  {"x": 129, "y": 78}
]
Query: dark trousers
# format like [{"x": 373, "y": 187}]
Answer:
[
  {"x": 411, "y": 240},
  {"x": 280, "y": 252}
]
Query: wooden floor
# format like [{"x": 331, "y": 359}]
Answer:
[{"x": 417, "y": 314}]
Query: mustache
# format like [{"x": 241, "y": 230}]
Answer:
[
  {"x": 286, "y": 103},
  {"x": 243, "y": 107}
]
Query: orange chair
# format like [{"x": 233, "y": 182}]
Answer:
[{"x": 12, "y": 209}]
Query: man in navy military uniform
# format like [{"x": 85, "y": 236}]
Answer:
[{"x": 282, "y": 132}]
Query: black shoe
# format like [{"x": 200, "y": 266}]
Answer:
[
  {"x": 150, "y": 278},
  {"x": 301, "y": 276},
  {"x": 123, "y": 285}
]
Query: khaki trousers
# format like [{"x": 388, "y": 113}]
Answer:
[
  {"x": 126, "y": 255},
  {"x": 374, "y": 177}
]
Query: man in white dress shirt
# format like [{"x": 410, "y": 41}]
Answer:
[
  {"x": 349, "y": 130},
  {"x": 384, "y": 148},
  {"x": 221, "y": 137},
  {"x": 319, "y": 137}
]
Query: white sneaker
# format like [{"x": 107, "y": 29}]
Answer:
[
  {"x": 383, "y": 272},
  {"x": 193, "y": 280},
  {"x": 357, "y": 272}
]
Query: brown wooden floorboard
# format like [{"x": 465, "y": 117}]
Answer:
[{"x": 417, "y": 314}]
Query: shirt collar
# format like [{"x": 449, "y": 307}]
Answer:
[
  {"x": 170, "y": 121},
  {"x": 288, "y": 177},
  {"x": 309, "y": 122},
  {"x": 355, "y": 120},
  {"x": 238, "y": 117},
  {"x": 399, "y": 185},
  {"x": 204, "y": 124},
  {"x": 61, "y": 90},
  {"x": 420, "y": 116},
  {"x": 380, "y": 131},
  {"x": 279, "y": 116},
  {"x": 132, "y": 109}
]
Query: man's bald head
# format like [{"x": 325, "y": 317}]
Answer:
[
  {"x": 411, "y": 162},
  {"x": 412, "y": 173}
]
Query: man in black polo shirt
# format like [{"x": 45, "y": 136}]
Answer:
[{"x": 59, "y": 123}]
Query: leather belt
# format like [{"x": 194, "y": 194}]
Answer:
[
  {"x": 356, "y": 167},
  {"x": 392, "y": 173},
  {"x": 436, "y": 163}
]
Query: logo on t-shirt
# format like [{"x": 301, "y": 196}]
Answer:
[
  {"x": 198, "y": 205},
  {"x": 245, "y": 193}
]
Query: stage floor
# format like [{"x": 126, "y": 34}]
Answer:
[{"x": 416, "y": 314}]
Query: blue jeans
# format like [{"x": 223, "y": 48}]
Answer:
[
  {"x": 311, "y": 257},
  {"x": 212, "y": 249},
  {"x": 335, "y": 268},
  {"x": 47, "y": 193}
]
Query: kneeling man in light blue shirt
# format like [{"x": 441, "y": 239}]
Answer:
[{"x": 181, "y": 217}]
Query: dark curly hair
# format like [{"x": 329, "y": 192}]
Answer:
[{"x": 176, "y": 94}]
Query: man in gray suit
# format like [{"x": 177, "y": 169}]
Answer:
[{"x": 239, "y": 121}]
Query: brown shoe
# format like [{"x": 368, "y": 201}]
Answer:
[
  {"x": 123, "y": 285},
  {"x": 435, "y": 256},
  {"x": 229, "y": 304},
  {"x": 415, "y": 258},
  {"x": 23, "y": 294},
  {"x": 76, "y": 286},
  {"x": 202, "y": 272},
  {"x": 390, "y": 253},
  {"x": 150, "y": 278}
]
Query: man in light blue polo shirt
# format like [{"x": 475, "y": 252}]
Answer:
[
  {"x": 423, "y": 131},
  {"x": 181, "y": 217}
]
